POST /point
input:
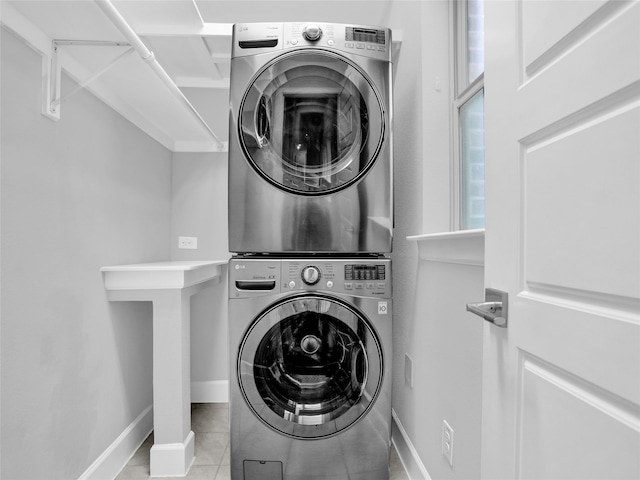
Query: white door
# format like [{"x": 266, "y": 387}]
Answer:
[{"x": 561, "y": 388}]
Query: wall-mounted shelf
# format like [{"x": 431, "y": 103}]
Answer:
[{"x": 136, "y": 86}]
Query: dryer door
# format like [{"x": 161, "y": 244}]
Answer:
[
  {"x": 310, "y": 366},
  {"x": 311, "y": 122}
]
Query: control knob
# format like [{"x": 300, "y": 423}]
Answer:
[
  {"x": 310, "y": 275},
  {"x": 312, "y": 32}
]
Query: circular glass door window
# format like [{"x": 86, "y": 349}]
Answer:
[
  {"x": 310, "y": 367},
  {"x": 311, "y": 123}
]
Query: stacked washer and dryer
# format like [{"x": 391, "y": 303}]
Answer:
[{"x": 310, "y": 229}]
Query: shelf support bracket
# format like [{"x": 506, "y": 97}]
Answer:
[{"x": 52, "y": 68}]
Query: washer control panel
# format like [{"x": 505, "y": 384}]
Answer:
[{"x": 364, "y": 277}]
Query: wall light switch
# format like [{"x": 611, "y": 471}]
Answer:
[{"x": 188, "y": 243}]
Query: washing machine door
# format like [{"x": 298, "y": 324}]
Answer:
[
  {"x": 311, "y": 122},
  {"x": 310, "y": 366}
]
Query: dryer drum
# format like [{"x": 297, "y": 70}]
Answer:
[{"x": 311, "y": 123}]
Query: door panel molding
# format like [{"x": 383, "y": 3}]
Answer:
[
  {"x": 596, "y": 346},
  {"x": 553, "y": 405},
  {"x": 583, "y": 76},
  {"x": 617, "y": 307},
  {"x": 581, "y": 224},
  {"x": 562, "y": 33},
  {"x": 618, "y": 102}
]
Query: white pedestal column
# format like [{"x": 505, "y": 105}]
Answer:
[{"x": 169, "y": 286}]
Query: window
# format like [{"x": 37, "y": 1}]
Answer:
[
  {"x": 472, "y": 162},
  {"x": 474, "y": 39},
  {"x": 469, "y": 114}
]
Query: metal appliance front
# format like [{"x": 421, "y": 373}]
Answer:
[
  {"x": 310, "y": 145},
  {"x": 311, "y": 388}
]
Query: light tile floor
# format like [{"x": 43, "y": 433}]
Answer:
[{"x": 210, "y": 424}]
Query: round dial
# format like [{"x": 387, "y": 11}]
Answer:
[
  {"x": 312, "y": 32},
  {"x": 310, "y": 275}
]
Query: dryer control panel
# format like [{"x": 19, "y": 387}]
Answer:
[
  {"x": 361, "y": 277},
  {"x": 255, "y": 38}
]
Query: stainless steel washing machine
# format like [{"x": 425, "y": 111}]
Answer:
[
  {"x": 310, "y": 388},
  {"x": 310, "y": 140}
]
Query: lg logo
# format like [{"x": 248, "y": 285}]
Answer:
[
  {"x": 382, "y": 308},
  {"x": 240, "y": 266}
]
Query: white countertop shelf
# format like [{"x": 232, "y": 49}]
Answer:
[
  {"x": 460, "y": 234},
  {"x": 169, "y": 285},
  {"x": 464, "y": 247},
  {"x": 161, "y": 275}
]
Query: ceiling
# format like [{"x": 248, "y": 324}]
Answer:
[{"x": 194, "y": 53}]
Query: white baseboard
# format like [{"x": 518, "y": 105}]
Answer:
[
  {"x": 116, "y": 456},
  {"x": 213, "y": 391},
  {"x": 406, "y": 451}
]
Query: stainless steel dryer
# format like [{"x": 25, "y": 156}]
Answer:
[
  {"x": 310, "y": 154},
  {"x": 310, "y": 389}
]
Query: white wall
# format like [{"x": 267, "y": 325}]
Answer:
[
  {"x": 199, "y": 209},
  {"x": 436, "y": 121},
  {"x": 445, "y": 344},
  {"x": 429, "y": 317},
  {"x": 431, "y": 325},
  {"x": 87, "y": 191}
]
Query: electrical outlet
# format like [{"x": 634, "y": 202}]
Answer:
[
  {"x": 408, "y": 370},
  {"x": 447, "y": 442},
  {"x": 188, "y": 243}
]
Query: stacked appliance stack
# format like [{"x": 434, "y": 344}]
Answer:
[{"x": 310, "y": 227}]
